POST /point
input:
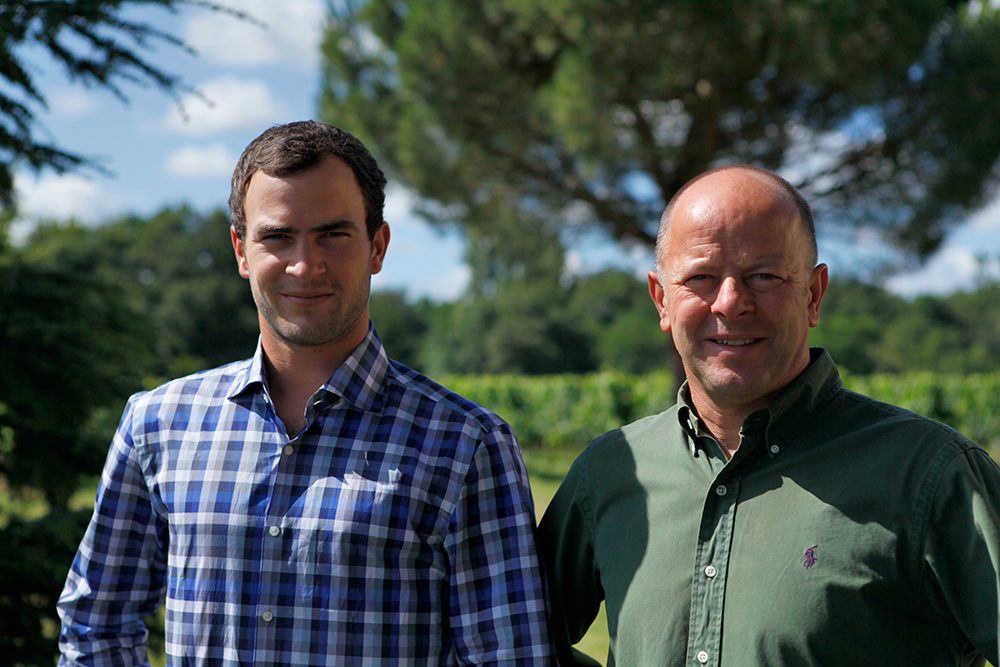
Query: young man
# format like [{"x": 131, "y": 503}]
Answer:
[
  {"x": 317, "y": 504},
  {"x": 770, "y": 517}
]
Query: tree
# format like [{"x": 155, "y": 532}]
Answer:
[
  {"x": 615, "y": 308},
  {"x": 97, "y": 45},
  {"x": 69, "y": 348},
  {"x": 514, "y": 315},
  {"x": 594, "y": 112},
  {"x": 176, "y": 269},
  {"x": 401, "y": 325}
]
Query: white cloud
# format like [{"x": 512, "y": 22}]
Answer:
[
  {"x": 951, "y": 268},
  {"x": 286, "y": 32},
  {"x": 986, "y": 219},
  {"x": 232, "y": 104},
  {"x": 70, "y": 102},
  {"x": 69, "y": 196},
  {"x": 198, "y": 161}
]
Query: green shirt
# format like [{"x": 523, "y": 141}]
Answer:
[{"x": 843, "y": 532}]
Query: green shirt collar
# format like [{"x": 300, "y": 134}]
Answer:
[{"x": 786, "y": 417}]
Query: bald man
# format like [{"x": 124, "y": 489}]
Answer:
[{"x": 770, "y": 517}]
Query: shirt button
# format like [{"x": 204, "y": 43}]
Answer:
[
  {"x": 274, "y": 531},
  {"x": 703, "y": 657},
  {"x": 775, "y": 449},
  {"x": 720, "y": 490},
  {"x": 267, "y": 617},
  {"x": 288, "y": 450},
  {"x": 710, "y": 571}
]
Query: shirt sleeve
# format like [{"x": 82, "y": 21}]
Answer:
[
  {"x": 118, "y": 575},
  {"x": 497, "y": 592},
  {"x": 567, "y": 547},
  {"x": 961, "y": 556}
]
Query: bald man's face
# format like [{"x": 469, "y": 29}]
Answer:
[{"x": 736, "y": 290}]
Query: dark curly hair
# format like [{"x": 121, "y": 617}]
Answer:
[{"x": 285, "y": 150}]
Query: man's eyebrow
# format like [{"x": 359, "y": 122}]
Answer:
[
  {"x": 334, "y": 225},
  {"x": 264, "y": 229}
]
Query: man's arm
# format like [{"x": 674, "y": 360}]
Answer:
[
  {"x": 497, "y": 587},
  {"x": 118, "y": 574},
  {"x": 960, "y": 568},
  {"x": 567, "y": 550}
]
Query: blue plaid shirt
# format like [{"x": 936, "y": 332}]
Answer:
[{"x": 396, "y": 529}]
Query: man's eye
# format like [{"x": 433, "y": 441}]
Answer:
[{"x": 764, "y": 280}]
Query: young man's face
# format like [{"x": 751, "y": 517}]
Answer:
[
  {"x": 737, "y": 292},
  {"x": 308, "y": 257}
]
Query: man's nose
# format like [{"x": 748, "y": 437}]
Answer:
[
  {"x": 733, "y": 298},
  {"x": 306, "y": 260}
]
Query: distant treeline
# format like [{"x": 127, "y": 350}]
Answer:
[{"x": 174, "y": 276}]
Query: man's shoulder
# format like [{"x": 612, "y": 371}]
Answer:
[
  {"x": 424, "y": 397},
  {"x": 908, "y": 428},
  {"x": 206, "y": 385},
  {"x": 879, "y": 411},
  {"x": 640, "y": 434}
]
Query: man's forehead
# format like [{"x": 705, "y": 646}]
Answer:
[{"x": 733, "y": 187}]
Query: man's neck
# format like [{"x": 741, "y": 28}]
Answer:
[
  {"x": 294, "y": 374},
  {"x": 725, "y": 421}
]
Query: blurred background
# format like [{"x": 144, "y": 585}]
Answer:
[{"x": 530, "y": 147}]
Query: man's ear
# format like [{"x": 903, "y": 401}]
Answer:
[
  {"x": 818, "y": 282},
  {"x": 379, "y": 243},
  {"x": 241, "y": 258},
  {"x": 659, "y": 297}
]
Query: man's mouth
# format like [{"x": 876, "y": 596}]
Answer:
[
  {"x": 736, "y": 342},
  {"x": 306, "y": 298}
]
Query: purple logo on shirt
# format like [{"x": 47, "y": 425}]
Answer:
[{"x": 810, "y": 557}]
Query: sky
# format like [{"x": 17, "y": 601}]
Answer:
[{"x": 252, "y": 75}]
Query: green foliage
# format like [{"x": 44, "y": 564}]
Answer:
[
  {"x": 401, "y": 325},
  {"x": 177, "y": 270},
  {"x": 68, "y": 346},
  {"x": 868, "y": 330},
  {"x": 593, "y": 113},
  {"x": 36, "y": 557},
  {"x": 615, "y": 310},
  {"x": 566, "y": 411}
]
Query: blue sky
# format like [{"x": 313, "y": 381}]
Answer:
[{"x": 256, "y": 76}]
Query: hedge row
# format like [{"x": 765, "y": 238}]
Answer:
[{"x": 566, "y": 411}]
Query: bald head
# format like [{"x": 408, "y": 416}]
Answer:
[{"x": 738, "y": 176}]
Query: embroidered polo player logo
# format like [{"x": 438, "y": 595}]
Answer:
[{"x": 810, "y": 557}]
